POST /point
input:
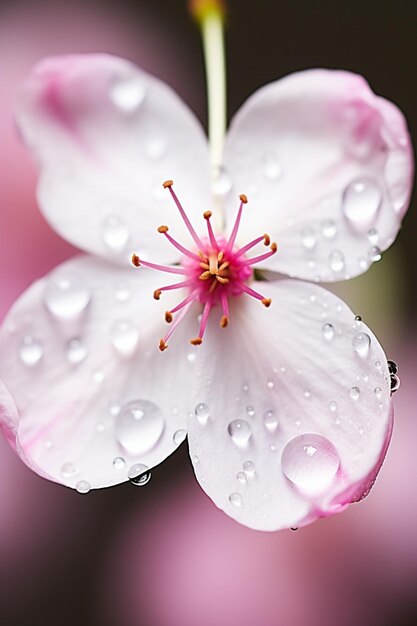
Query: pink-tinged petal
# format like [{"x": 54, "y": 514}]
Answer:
[
  {"x": 79, "y": 353},
  {"x": 294, "y": 416},
  {"x": 107, "y": 135},
  {"x": 327, "y": 166}
]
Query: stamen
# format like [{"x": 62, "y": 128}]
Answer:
[
  {"x": 251, "y": 292},
  {"x": 203, "y": 323},
  {"x": 168, "y": 185},
  {"x": 232, "y": 238},
  {"x": 222, "y": 280},
  {"x": 183, "y": 303},
  {"x": 225, "y": 306},
  {"x": 266, "y": 239},
  {"x": 163, "y": 342},
  {"x": 168, "y": 317},
  {"x": 207, "y": 215},
  {"x": 164, "y": 231},
  {"x": 214, "y": 267},
  {"x": 137, "y": 262},
  {"x": 157, "y": 292},
  {"x": 262, "y": 257}
]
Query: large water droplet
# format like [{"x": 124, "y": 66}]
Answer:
[
  {"x": 76, "y": 351},
  {"x": 361, "y": 202},
  {"x": 30, "y": 351},
  {"x": 328, "y": 331},
  {"x": 139, "y": 426},
  {"x": 270, "y": 420},
  {"x": 271, "y": 166},
  {"x": 128, "y": 94},
  {"x": 83, "y": 486},
  {"x": 124, "y": 337},
  {"x": 139, "y": 474},
  {"x": 337, "y": 261},
  {"x": 179, "y": 436},
  {"x": 115, "y": 233},
  {"x": 66, "y": 297},
  {"x": 310, "y": 462},
  {"x": 240, "y": 432},
  {"x": 236, "y": 499},
  {"x": 202, "y": 412},
  {"x": 361, "y": 343},
  {"x": 308, "y": 238}
]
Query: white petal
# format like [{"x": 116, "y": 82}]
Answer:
[
  {"x": 107, "y": 135},
  {"x": 76, "y": 349},
  {"x": 299, "y": 412},
  {"x": 327, "y": 166}
]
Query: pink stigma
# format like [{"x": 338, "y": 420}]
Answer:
[{"x": 214, "y": 271}]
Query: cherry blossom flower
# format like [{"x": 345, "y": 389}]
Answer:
[{"x": 287, "y": 407}]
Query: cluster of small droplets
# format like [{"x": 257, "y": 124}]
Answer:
[{"x": 213, "y": 273}]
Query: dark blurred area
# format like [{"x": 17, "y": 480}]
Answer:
[{"x": 60, "y": 552}]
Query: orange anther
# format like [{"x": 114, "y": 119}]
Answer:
[
  {"x": 163, "y": 229},
  {"x": 243, "y": 198},
  {"x": 157, "y": 294},
  {"x": 224, "y": 321},
  {"x": 162, "y": 345},
  {"x": 135, "y": 260},
  {"x": 266, "y": 302},
  {"x": 167, "y": 183},
  {"x": 196, "y": 342},
  {"x": 168, "y": 317}
]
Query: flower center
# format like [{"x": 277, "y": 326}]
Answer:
[{"x": 215, "y": 270}]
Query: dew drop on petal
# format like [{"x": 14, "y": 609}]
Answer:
[
  {"x": 241, "y": 477},
  {"x": 328, "y": 331},
  {"x": 361, "y": 202},
  {"x": 30, "y": 351},
  {"x": 115, "y": 233},
  {"x": 124, "y": 337},
  {"x": 179, "y": 436},
  {"x": 378, "y": 392},
  {"x": 128, "y": 94},
  {"x": 156, "y": 148},
  {"x": 373, "y": 236},
  {"x": 374, "y": 254},
  {"x": 250, "y": 411},
  {"x": 333, "y": 406},
  {"x": 271, "y": 167},
  {"x": 354, "y": 393},
  {"x": 270, "y": 420},
  {"x": 202, "y": 412},
  {"x": 249, "y": 468},
  {"x": 310, "y": 462},
  {"x": 222, "y": 183},
  {"x": 83, "y": 486},
  {"x": 139, "y": 474},
  {"x": 122, "y": 292},
  {"x": 236, "y": 499},
  {"x": 139, "y": 426},
  {"x": 328, "y": 229},
  {"x": 337, "y": 261},
  {"x": 76, "y": 351},
  {"x": 68, "y": 470},
  {"x": 66, "y": 297},
  {"x": 119, "y": 463},
  {"x": 240, "y": 431},
  {"x": 308, "y": 238},
  {"x": 361, "y": 343}
]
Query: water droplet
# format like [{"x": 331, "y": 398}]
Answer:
[
  {"x": 68, "y": 470},
  {"x": 272, "y": 447},
  {"x": 191, "y": 357},
  {"x": 328, "y": 331},
  {"x": 374, "y": 254},
  {"x": 328, "y": 229},
  {"x": 378, "y": 365},
  {"x": 361, "y": 202},
  {"x": 354, "y": 393},
  {"x": 139, "y": 426},
  {"x": 179, "y": 436},
  {"x": 249, "y": 468},
  {"x": 307, "y": 393},
  {"x": 271, "y": 167},
  {"x": 156, "y": 148},
  {"x": 270, "y": 384},
  {"x": 66, "y": 297},
  {"x": 245, "y": 388},
  {"x": 241, "y": 477},
  {"x": 308, "y": 238},
  {"x": 115, "y": 409},
  {"x": 115, "y": 233},
  {"x": 76, "y": 351},
  {"x": 98, "y": 376},
  {"x": 195, "y": 459},
  {"x": 361, "y": 343},
  {"x": 30, "y": 351},
  {"x": 395, "y": 383},
  {"x": 333, "y": 406},
  {"x": 392, "y": 367},
  {"x": 337, "y": 261},
  {"x": 270, "y": 420},
  {"x": 250, "y": 411},
  {"x": 378, "y": 392},
  {"x": 202, "y": 412},
  {"x": 122, "y": 292},
  {"x": 83, "y": 486},
  {"x": 222, "y": 183},
  {"x": 124, "y": 337},
  {"x": 310, "y": 462},
  {"x": 119, "y": 463},
  {"x": 128, "y": 94},
  {"x": 373, "y": 236},
  {"x": 240, "y": 432},
  {"x": 236, "y": 499},
  {"x": 139, "y": 474}
]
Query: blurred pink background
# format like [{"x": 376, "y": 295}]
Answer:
[{"x": 164, "y": 555}]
